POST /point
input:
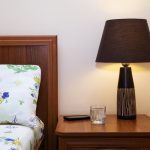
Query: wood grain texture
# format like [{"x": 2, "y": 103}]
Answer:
[
  {"x": 115, "y": 134},
  {"x": 42, "y": 51},
  {"x": 126, "y": 102}
]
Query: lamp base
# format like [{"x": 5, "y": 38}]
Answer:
[{"x": 126, "y": 102}]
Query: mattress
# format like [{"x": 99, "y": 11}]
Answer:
[{"x": 17, "y": 137}]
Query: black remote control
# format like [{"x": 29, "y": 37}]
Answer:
[{"x": 76, "y": 117}]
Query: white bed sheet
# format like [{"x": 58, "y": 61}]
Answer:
[{"x": 17, "y": 137}]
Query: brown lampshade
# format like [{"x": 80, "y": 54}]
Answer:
[{"x": 125, "y": 41}]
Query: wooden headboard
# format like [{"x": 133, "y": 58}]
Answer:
[{"x": 42, "y": 51}]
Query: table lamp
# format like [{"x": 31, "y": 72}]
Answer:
[{"x": 125, "y": 41}]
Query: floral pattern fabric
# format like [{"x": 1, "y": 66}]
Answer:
[
  {"x": 16, "y": 137},
  {"x": 19, "y": 89}
]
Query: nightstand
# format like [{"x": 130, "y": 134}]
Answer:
[{"x": 114, "y": 135}]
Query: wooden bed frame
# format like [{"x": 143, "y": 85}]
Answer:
[{"x": 42, "y": 51}]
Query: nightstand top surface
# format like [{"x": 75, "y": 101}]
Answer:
[{"x": 140, "y": 126}]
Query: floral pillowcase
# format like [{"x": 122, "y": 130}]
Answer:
[{"x": 19, "y": 88}]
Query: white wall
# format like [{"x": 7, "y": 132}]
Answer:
[{"x": 79, "y": 25}]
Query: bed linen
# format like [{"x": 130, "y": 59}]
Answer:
[
  {"x": 17, "y": 137},
  {"x": 19, "y": 90}
]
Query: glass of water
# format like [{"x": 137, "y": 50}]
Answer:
[{"x": 98, "y": 114}]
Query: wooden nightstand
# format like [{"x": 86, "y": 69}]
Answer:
[{"x": 114, "y": 135}]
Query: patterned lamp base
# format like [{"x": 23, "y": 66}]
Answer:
[{"x": 126, "y": 102}]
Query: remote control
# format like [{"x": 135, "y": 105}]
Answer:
[{"x": 76, "y": 117}]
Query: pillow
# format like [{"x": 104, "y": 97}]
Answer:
[{"x": 19, "y": 88}]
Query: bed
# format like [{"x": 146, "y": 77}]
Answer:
[{"x": 41, "y": 51}]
